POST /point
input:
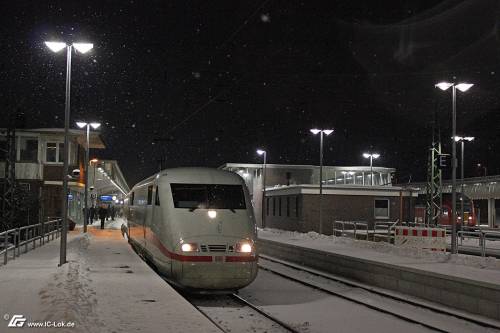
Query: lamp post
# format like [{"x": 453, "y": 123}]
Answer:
[
  {"x": 463, "y": 87},
  {"x": 264, "y": 154},
  {"x": 462, "y": 140},
  {"x": 321, "y": 132},
  {"x": 371, "y": 157},
  {"x": 82, "y": 124},
  {"x": 82, "y": 48}
]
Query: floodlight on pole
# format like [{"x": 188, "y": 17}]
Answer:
[
  {"x": 263, "y": 153},
  {"x": 83, "y": 47},
  {"x": 463, "y": 87},
  {"x": 87, "y": 125},
  {"x": 321, "y": 132},
  {"x": 371, "y": 156},
  {"x": 55, "y": 46}
]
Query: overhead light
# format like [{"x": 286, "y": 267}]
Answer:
[
  {"x": 261, "y": 152},
  {"x": 444, "y": 85},
  {"x": 328, "y": 131},
  {"x": 83, "y": 47},
  {"x": 81, "y": 124},
  {"x": 95, "y": 125},
  {"x": 463, "y": 87},
  {"x": 55, "y": 46},
  {"x": 315, "y": 131},
  {"x": 366, "y": 155},
  {"x": 376, "y": 155},
  {"x": 212, "y": 214}
]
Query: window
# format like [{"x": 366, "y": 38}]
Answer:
[
  {"x": 297, "y": 206},
  {"x": 3, "y": 149},
  {"x": 274, "y": 206},
  {"x": 28, "y": 149},
  {"x": 207, "y": 196},
  {"x": 150, "y": 194},
  {"x": 157, "y": 197},
  {"x": 279, "y": 203},
  {"x": 267, "y": 206},
  {"x": 381, "y": 208},
  {"x": 54, "y": 152},
  {"x": 287, "y": 206}
]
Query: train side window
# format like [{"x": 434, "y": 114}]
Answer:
[
  {"x": 157, "y": 197},
  {"x": 150, "y": 194},
  {"x": 274, "y": 206},
  {"x": 279, "y": 203}
]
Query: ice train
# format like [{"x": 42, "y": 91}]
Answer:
[{"x": 196, "y": 226}]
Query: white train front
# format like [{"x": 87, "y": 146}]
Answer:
[{"x": 196, "y": 226}]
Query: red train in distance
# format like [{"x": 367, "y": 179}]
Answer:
[{"x": 470, "y": 218}]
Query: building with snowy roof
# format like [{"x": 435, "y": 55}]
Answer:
[{"x": 350, "y": 193}]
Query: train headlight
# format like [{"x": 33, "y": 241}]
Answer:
[
  {"x": 244, "y": 247},
  {"x": 189, "y": 247},
  {"x": 212, "y": 214}
]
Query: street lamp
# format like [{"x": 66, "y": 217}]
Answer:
[
  {"x": 264, "y": 154},
  {"x": 327, "y": 132},
  {"x": 82, "y": 124},
  {"x": 463, "y": 87},
  {"x": 371, "y": 157},
  {"x": 462, "y": 140},
  {"x": 82, "y": 48}
]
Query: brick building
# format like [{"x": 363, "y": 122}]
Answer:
[{"x": 349, "y": 194}]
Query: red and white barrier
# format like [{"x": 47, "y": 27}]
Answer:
[{"x": 422, "y": 238}]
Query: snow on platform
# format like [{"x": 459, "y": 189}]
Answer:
[
  {"x": 475, "y": 268},
  {"x": 104, "y": 287}
]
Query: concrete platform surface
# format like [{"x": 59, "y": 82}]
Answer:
[{"x": 104, "y": 287}]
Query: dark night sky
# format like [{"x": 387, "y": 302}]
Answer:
[{"x": 208, "y": 82}]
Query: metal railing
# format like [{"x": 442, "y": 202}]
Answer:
[
  {"x": 379, "y": 229},
  {"x": 12, "y": 240},
  {"x": 482, "y": 237}
]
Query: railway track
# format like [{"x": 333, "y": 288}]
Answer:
[
  {"x": 487, "y": 324},
  {"x": 212, "y": 307}
]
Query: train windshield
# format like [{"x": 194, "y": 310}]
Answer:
[{"x": 208, "y": 196}]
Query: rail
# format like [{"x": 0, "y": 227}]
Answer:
[{"x": 12, "y": 240}]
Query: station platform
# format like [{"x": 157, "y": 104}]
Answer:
[
  {"x": 467, "y": 283},
  {"x": 104, "y": 287}
]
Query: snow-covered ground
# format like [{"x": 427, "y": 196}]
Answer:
[
  {"x": 104, "y": 287},
  {"x": 467, "y": 266}
]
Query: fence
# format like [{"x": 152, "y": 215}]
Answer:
[
  {"x": 481, "y": 235},
  {"x": 12, "y": 240},
  {"x": 379, "y": 230}
]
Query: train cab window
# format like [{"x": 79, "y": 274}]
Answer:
[
  {"x": 208, "y": 196},
  {"x": 150, "y": 194},
  {"x": 157, "y": 197},
  {"x": 381, "y": 208}
]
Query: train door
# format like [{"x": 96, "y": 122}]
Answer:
[{"x": 148, "y": 212}]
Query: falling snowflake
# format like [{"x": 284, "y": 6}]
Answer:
[{"x": 265, "y": 18}]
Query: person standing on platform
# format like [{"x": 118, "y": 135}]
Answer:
[
  {"x": 103, "y": 212},
  {"x": 112, "y": 212},
  {"x": 91, "y": 214}
]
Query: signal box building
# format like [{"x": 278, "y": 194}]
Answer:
[{"x": 349, "y": 194}]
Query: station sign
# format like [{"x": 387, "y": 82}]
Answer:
[{"x": 106, "y": 198}]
